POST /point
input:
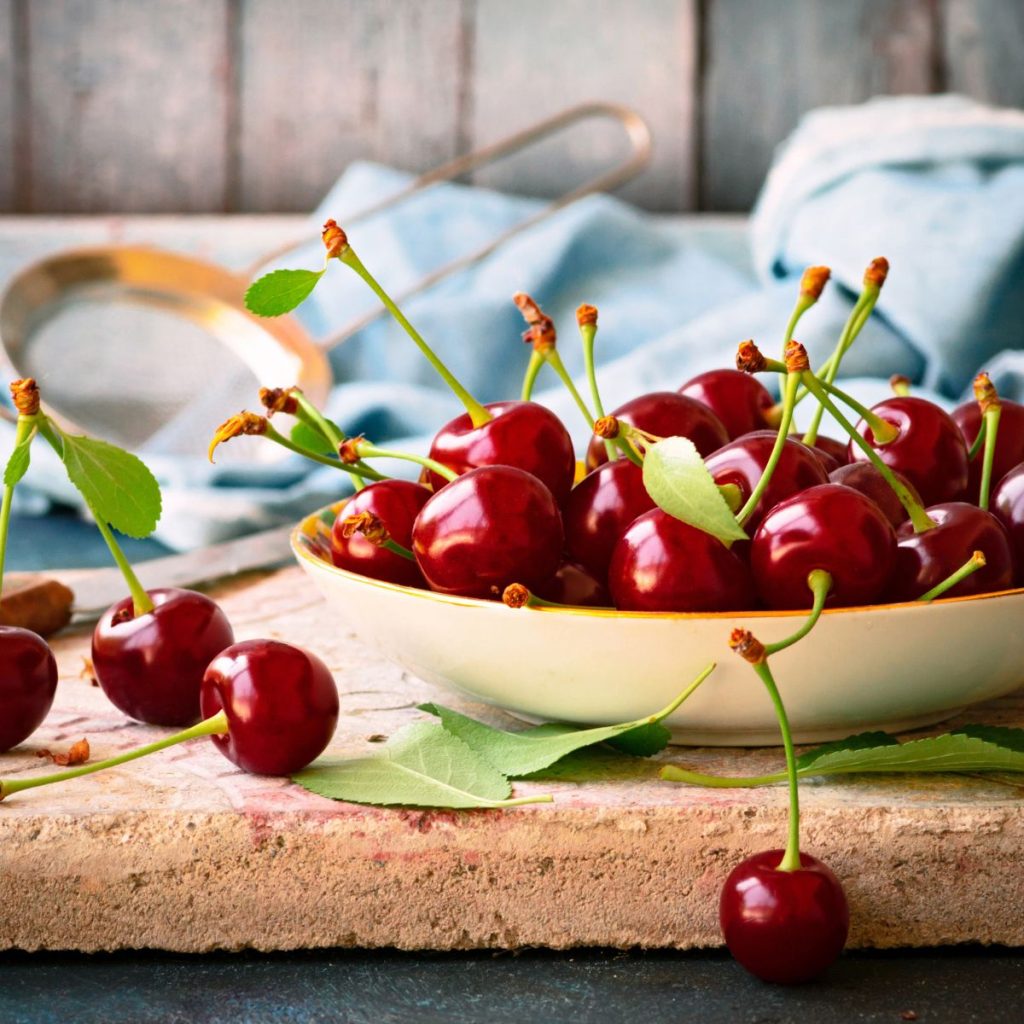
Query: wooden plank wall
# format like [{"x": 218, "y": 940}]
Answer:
[{"x": 225, "y": 105}]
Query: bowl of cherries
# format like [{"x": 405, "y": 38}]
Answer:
[{"x": 585, "y": 587}]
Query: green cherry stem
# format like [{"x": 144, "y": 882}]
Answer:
[
  {"x": 884, "y": 433},
  {"x": 811, "y": 286},
  {"x": 516, "y": 595},
  {"x": 820, "y": 583},
  {"x": 586, "y": 320},
  {"x": 979, "y": 442},
  {"x": 23, "y": 434},
  {"x": 357, "y": 449},
  {"x": 217, "y": 725},
  {"x": 673, "y": 773},
  {"x": 477, "y": 413},
  {"x": 309, "y": 414},
  {"x": 971, "y": 566},
  {"x": 355, "y": 470},
  {"x": 991, "y": 411},
  {"x": 374, "y": 530},
  {"x": 530, "y": 377}
]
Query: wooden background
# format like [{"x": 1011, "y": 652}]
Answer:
[{"x": 228, "y": 105}]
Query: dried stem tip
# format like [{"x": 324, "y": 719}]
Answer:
[
  {"x": 747, "y": 646},
  {"x": 279, "y": 400},
  {"x": 541, "y": 332},
  {"x": 25, "y": 393},
  {"x": 586, "y": 316},
  {"x": 796, "y": 358},
  {"x": 812, "y": 284},
  {"x": 900, "y": 383},
  {"x": 749, "y": 358},
  {"x": 607, "y": 427},
  {"x": 985, "y": 392},
  {"x": 335, "y": 239},
  {"x": 242, "y": 423},
  {"x": 877, "y": 272},
  {"x": 369, "y": 525},
  {"x": 348, "y": 450},
  {"x": 516, "y": 595}
]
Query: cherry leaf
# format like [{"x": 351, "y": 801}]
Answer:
[
  {"x": 17, "y": 465},
  {"x": 310, "y": 438},
  {"x": 679, "y": 483},
  {"x": 280, "y": 291}
]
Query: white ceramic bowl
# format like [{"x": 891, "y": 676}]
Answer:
[{"x": 891, "y": 667}]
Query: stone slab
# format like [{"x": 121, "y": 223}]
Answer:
[{"x": 183, "y": 852}]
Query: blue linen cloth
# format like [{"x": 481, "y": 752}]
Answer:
[{"x": 936, "y": 184}]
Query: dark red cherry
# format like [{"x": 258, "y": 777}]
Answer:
[
  {"x": 863, "y": 477},
  {"x": 575, "y": 586},
  {"x": 486, "y": 529},
  {"x": 396, "y": 503},
  {"x": 785, "y": 927},
  {"x": 828, "y": 527},
  {"x": 741, "y": 462},
  {"x": 835, "y": 452},
  {"x": 281, "y": 704},
  {"x": 661, "y": 564},
  {"x": 522, "y": 434},
  {"x": 599, "y": 509},
  {"x": 739, "y": 400},
  {"x": 151, "y": 666},
  {"x": 924, "y": 560},
  {"x": 666, "y": 414},
  {"x": 929, "y": 451},
  {"x": 28, "y": 681},
  {"x": 1008, "y": 508},
  {"x": 1009, "y": 441}
]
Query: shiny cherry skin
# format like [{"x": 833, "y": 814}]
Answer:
[
  {"x": 924, "y": 560},
  {"x": 599, "y": 509},
  {"x": 575, "y": 586},
  {"x": 785, "y": 927},
  {"x": 488, "y": 528},
  {"x": 1008, "y": 507},
  {"x": 281, "y": 704},
  {"x": 741, "y": 462},
  {"x": 151, "y": 666},
  {"x": 521, "y": 434},
  {"x": 1009, "y": 442},
  {"x": 863, "y": 477},
  {"x": 666, "y": 414},
  {"x": 396, "y": 503},
  {"x": 828, "y": 527},
  {"x": 739, "y": 400},
  {"x": 661, "y": 564},
  {"x": 28, "y": 681},
  {"x": 929, "y": 451},
  {"x": 834, "y": 452}
]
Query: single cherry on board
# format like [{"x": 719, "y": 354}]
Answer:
[
  {"x": 28, "y": 681},
  {"x": 1008, "y": 508},
  {"x": 864, "y": 477},
  {"x": 1009, "y": 441},
  {"x": 784, "y": 927},
  {"x": 151, "y": 665},
  {"x": 739, "y": 400}
]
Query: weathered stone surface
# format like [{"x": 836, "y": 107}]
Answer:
[{"x": 184, "y": 852}]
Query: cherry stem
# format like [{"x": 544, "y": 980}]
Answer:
[
  {"x": 309, "y": 414},
  {"x": 217, "y": 725},
  {"x": 979, "y": 442},
  {"x": 554, "y": 360},
  {"x": 673, "y": 773},
  {"x": 803, "y": 303},
  {"x": 588, "y": 331},
  {"x": 358, "y": 470},
  {"x": 23, "y": 434},
  {"x": 477, "y": 413},
  {"x": 371, "y": 451},
  {"x": 991, "y": 418},
  {"x": 971, "y": 566},
  {"x": 884, "y": 432},
  {"x": 517, "y": 595},
  {"x": 530, "y": 377},
  {"x": 918, "y": 516},
  {"x": 900, "y": 385},
  {"x": 820, "y": 583}
]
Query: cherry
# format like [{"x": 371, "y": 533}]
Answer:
[
  {"x": 836, "y": 452},
  {"x": 741, "y": 462},
  {"x": 929, "y": 450},
  {"x": 1008, "y": 508},
  {"x": 280, "y": 701},
  {"x": 28, "y": 681},
  {"x": 667, "y": 414},
  {"x": 864, "y": 477},
  {"x": 151, "y": 665},
  {"x": 520, "y": 434},
  {"x": 828, "y": 527},
  {"x": 599, "y": 509},
  {"x": 785, "y": 927},
  {"x": 575, "y": 586},
  {"x": 661, "y": 564},
  {"x": 925, "y": 559},
  {"x": 739, "y": 400},
  {"x": 396, "y": 503},
  {"x": 488, "y": 528},
  {"x": 1009, "y": 441}
]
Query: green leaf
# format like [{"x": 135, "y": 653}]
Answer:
[
  {"x": 117, "y": 486},
  {"x": 308, "y": 437},
  {"x": 860, "y": 741},
  {"x": 643, "y": 741},
  {"x": 17, "y": 465},
  {"x": 421, "y": 766},
  {"x": 678, "y": 482},
  {"x": 280, "y": 291}
]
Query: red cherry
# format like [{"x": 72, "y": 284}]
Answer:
[
  {"x": 929, "y": 451},
  {"x": 151, "y": 665},
  {"x": 784, "y": 926},
  {"x": 739, "y": 400},
  {"x": 575, "y": 586},
  {"x": 863, "y": 477},
  {"x": 835, "y": 452},
  {"x": 281, "y": 704},
  {"x": 396, "y": 503},
  {"x": 28, "y": 681},
  {"x": 828, "y": 527},
  {"x": 661, "y": 564},
  {"x": 599, "y": 509},
  {"x": 741, "y": 462},
  {"x": 1008, "y": 508},
  {"x": 666, "y": 414},
  {"x": 521, "y": 434},
  {"x": 1009, "y": 441},
  {"x": 923, "y": 560},
  {"x": 486, "y": 529}
]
